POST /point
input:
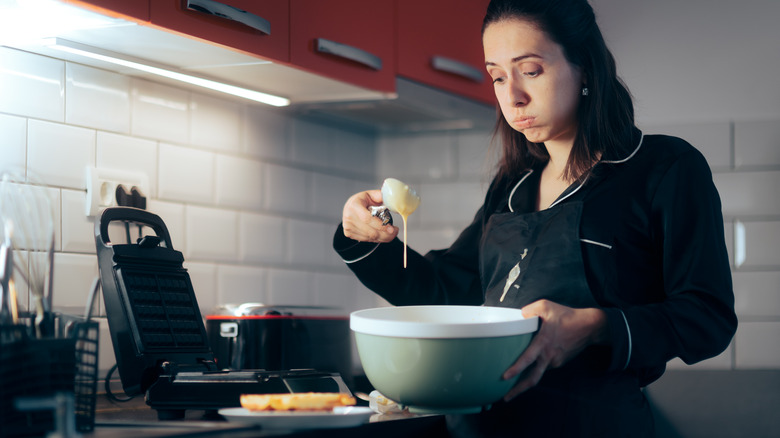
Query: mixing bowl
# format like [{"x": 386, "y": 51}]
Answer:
[{"x": 441, "y": 359}]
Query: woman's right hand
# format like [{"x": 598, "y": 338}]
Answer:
[{"x": 358, "y": 222}]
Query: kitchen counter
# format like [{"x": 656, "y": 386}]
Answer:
[{"x": 134, "y": 418}]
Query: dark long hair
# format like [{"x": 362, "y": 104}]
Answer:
[{"x": 605, "y": 116}]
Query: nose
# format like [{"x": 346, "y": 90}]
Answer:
[{"x": 516, "y": 94}]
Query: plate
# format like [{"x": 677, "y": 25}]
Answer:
[{"x": 345, "y": 416}]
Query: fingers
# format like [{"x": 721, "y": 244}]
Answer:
[
  {"x": 564, "y": 333},
  {"x": 358, "y": 222},
  {"x": 530, "y": 379}
]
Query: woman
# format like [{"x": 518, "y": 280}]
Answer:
[{"x": 612, "y": 237}]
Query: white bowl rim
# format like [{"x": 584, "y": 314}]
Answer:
[{"x": 503, "y": 321}]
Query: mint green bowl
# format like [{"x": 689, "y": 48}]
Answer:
[{"x": 441, "y": 359}]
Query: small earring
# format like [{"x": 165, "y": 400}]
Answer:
[{"x": 584, "y": 91}]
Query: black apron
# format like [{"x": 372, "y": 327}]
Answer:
[{"x": 525, "y": 257}]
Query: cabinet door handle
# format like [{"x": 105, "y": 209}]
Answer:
[
  {"x": 231, "y": 13},
  {"x": 348, "y": 52},
  {"x": 448, "y": 65}
]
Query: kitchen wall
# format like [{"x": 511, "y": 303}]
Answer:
[{"x": 252, "y": 194}]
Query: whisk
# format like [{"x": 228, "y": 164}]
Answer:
[{"x": 27, "y": 206}]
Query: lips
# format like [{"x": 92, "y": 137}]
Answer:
[{"x": 523, "y": 122}]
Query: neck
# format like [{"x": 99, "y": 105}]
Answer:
[{"x": 559, "y": 157}]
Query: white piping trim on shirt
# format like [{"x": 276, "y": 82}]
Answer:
[
  {"x": 512, "y": 193},
  {"x": 596, "y": 243},
  {"x": 628, "y": 329},
  {"x": 641, "y": 139},
  {"x": 639, "y": 145},
  {"x": 559, "y": 200},
  {"x": 361, "y": 257}
]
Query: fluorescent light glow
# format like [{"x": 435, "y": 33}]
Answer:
[
  {"x": 24, "y": 21},
  {"x": 105, "y": 56}
]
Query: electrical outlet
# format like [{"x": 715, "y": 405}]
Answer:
[{"x": 102, "y": 184}]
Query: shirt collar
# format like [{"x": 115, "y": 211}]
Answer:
[{"x": 576, "y": 186}]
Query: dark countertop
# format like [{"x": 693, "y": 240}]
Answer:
[{"x": 133, "y": 418}]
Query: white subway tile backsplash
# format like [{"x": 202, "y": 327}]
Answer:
[
  {"x": 474, "y": 159},
  {"x": 757, "y": 345},
  {"x": 73, "y": 276},
  {"x": 262, "y": 238},
  {"x": 287, "y": 190},
  {"x": 265, "y": 133},
  {"x": 426, "y": 156},
  {"x": 204, "y": 283},
  {"x": 78, "y": 231},
  {"x": 241, "y": 284},
  {"x": 757, "y": 143},
  {"x": 713, "y": 140},
  {"x": 366, "y": 299},
  {"x": 288, "y": 287},
  {"x": 13, "y": 142},
  {"x": 32, "y": 85},
  {"x": 172, "y": 214},
  {"x": 211, "y": 234},
  {"x": 310, "y": 243},
  {"x": 354, "y": 153},
  {"x": 757, "y": 294},
  {"x": 159, "y": 112},
  {"x": 59, "y": 154},
  {"x": 97, "y": 98},
  {"x": 749, "y": 193},
  {"x": 760, "y": 246},
  {"x": 186, "y": 174},
  {"x": 334, "y": 290},
  {"x": 453, "y": 203},
  {"x": 312, "y": 144},
  {"x": 239, "y": 183},
  {"x": 215, "y": 123},
  {"x": 128, "y": 154},
  {"x": 329, "y": 195}
]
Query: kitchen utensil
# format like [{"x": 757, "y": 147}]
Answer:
[
  {"x": 8, "y": 310},
  {"x": 402, "y": 199},
  {"x": 441, "y": 359},
  {"x": 25, "y": 203},
  {"x": 158, "y": 333}
]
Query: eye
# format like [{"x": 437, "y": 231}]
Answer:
[
  {"x": 531, "y": 70},
  {"x": 498, "y": 80}
]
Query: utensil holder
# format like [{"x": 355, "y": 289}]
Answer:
[{"x": 39, "y": 368}]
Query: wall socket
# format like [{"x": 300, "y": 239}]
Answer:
[{"x": 102, "y": 184}]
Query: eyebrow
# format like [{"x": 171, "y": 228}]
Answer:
[{"x": 516, "y": 59}]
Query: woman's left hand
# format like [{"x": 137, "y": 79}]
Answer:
[{"x": 564, "y": 332}]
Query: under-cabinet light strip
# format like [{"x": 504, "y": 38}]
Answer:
[{"x": 100, "y": 55}]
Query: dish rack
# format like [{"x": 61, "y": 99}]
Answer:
[{"x": 40, "y": 377}]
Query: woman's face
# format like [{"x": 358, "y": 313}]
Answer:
[{"x": 537, "y": 89}]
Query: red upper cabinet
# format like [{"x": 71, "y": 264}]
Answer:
[
  {"x": 137, "y": 9},
  {"x": 440, "y": 44},
  {"x": 347, "y": 40},
  {"x": 260, "y": 28}
]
